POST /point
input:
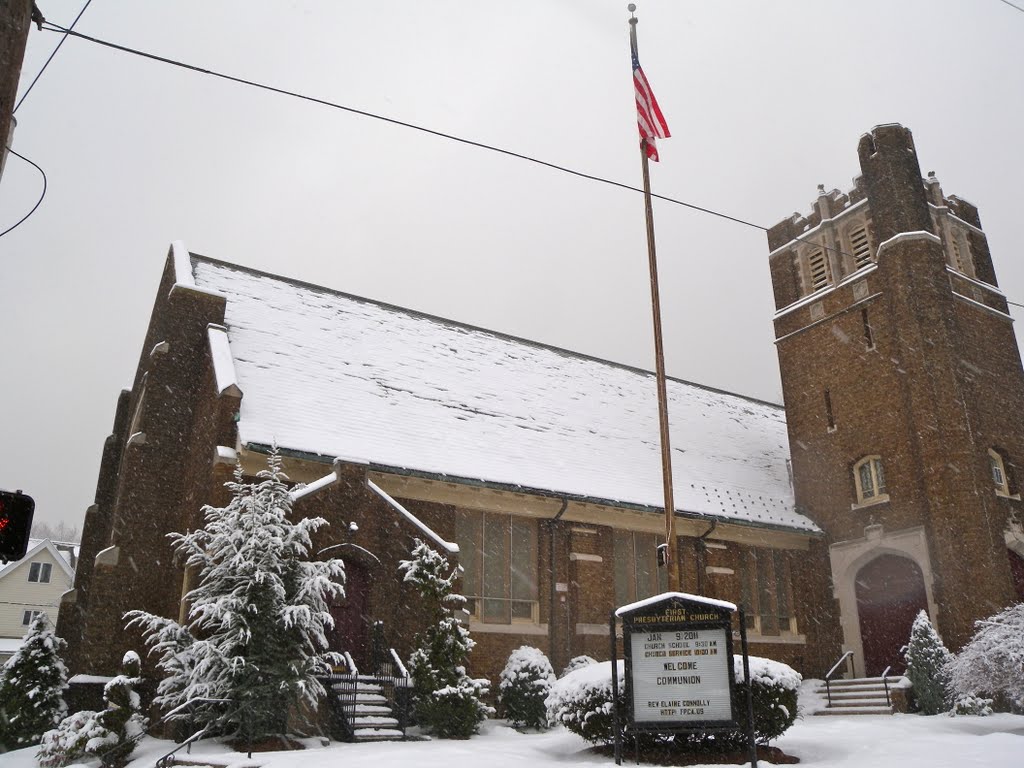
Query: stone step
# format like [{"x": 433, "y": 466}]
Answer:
[
  {"x": 368, "y": 709},
  {"x": 378, "y": 734},
  {"x": 865, "y": 696},
  {"x": 858, "y": 702},
  {"x": 857, "y": 681},
  {"x": 373, "y": 721},
  {"x": 845, "y": 710}
]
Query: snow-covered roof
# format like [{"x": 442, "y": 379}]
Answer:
[
  {"x": 58, "y": 550},
  {"x": 327, "y": 373}
]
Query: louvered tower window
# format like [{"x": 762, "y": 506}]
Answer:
[
  {"x": 861, "y": 247},
  {"x": 958, "y": 260},
  {"x": 818, "y": 267}
]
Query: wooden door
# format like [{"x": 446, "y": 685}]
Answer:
[
  {"x": 351, "y": 616},
  {"x": 890, "y": 592}
]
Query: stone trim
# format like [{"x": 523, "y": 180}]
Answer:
[{"x": 848, "y": 557}]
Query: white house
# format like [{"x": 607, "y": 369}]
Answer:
[{"x": 31, "y": 586}]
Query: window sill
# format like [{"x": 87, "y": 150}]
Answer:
[
  {"x": 882, "y": 499},
  {"x": 1003, "y": 495},
  {"x": 786, "y": 638},
  {"x": 524, "y": 628}
]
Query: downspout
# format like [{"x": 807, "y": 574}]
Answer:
[
  {"x": 702, "y": 556},
  {"x": 551, "y": 565}
]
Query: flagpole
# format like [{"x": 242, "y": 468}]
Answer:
[{"x": 672, "y": 550}]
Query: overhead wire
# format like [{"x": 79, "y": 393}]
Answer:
[
  {"x": 49, "y": 26},
  {"x": 1015, "y": 7},
  {"x": 50, "y": 58},
  {"x": 41, "y": 196}
]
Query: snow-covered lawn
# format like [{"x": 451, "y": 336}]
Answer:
[{"x": 900, "y": 741}]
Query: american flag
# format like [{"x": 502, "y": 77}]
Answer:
[{"x": 648, "y": 114}]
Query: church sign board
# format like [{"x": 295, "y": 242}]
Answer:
[{"x": 679, "y": 663}]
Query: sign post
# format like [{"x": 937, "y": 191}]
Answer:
[{"x": 679, "y": 667}]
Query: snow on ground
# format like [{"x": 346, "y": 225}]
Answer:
[{"x": 899, "y": 741}]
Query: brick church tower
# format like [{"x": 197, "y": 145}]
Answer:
[{"x": 904, "y": 399}]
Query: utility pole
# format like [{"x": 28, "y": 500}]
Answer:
[{"x": 15, "y": 18}]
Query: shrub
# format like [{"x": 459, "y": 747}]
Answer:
[
  {"x": 928, "y": 667},
  {"x": 972, "y": 705},
  {"x": 111, "y": 734},
  {"x": 578, "y": 662},
  {"x": 525, "y": 684},
  {"x": 992, "y": 663},
  {"x": 582, "y": 702},
  {"x": 32, "y": 686}
]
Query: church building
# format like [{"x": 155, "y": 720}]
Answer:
[{"x": 889, "y": 483}]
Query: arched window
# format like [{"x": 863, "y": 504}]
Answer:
[
  {"x": 998, "y": 470},
  {"x": 869, "y": 477}
]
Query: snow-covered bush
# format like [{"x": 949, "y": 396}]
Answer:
[
  {"x": 525, "y": 683},
  {"x": 992, "y": 663},
  {"x": 578, "y": 662},
  {"x": 582, "y": 702},
  {"x": 972, "y": 705},
  {"x": 928, "y": 667},
  {"x": 446, "y": 701},
  {"x": 32, "y": 686},
  {"x": 111, "y": 734},
  {"x": 256, "y": 627}
]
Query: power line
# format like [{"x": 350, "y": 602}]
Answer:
[
  {"x": 423, "y": 129},
  {"x": 1015, "y": 7},
  {"x": 41, "y": 196},
  {"x": 49, "y": 26},
  {"x": 52, "y": 54}
]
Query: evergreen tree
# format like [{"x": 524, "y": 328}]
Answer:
[
  {"x": 257, "y": 621},
  {"x": 928, "y": 667},
  {"x": 446, "y": 700},
  {"x": 32, "y": 686}
]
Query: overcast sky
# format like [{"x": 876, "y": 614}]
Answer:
[{"x": 765, "y": 101}]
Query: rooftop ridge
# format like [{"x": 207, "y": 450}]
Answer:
[{"x": 477, "y": 328}]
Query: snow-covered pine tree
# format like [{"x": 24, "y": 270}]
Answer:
[
  {"x": 446, "y": 700},
  {"x": 32, "y": 686},
  {"x": 257, "y": 621},
  {"x": 992, "y": 663},
  {"x": 928, "y": 667},
  {"x": 525, "y": 684}
]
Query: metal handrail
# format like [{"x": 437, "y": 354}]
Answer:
[
  {"x": 400, "y": 665},
  {"x": 138, "y": 737},
  {"x": 885, "y": 682},
  {"x": 828, "y": 675}
]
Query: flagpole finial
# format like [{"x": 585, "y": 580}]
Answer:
[{"x": 632, "y": 9}]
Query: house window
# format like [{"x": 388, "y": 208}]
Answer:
[
  {"x": 998, "y": 469},
  {"x": 817, "y": 267},
  {"x": 861, "y": 247},
  {"x": 870, "y": 480},
  {"x": 637, "y": 574},
  {"x": 499, "y": 556},
  {"x": 28, "y": 617},
  {"x": 40, "y": 572},
  {"x": 766, "y": 592},
  {"x": 829, "y": 413}
]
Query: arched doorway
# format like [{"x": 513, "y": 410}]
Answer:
[
  {"x": 890, "y": 592},
  {"x": 1017, "y": 572},
  {"x": 351, "y": 631}
]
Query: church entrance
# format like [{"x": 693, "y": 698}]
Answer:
[
  {"x": 351, "y": 631},
  {"x": 890, "y": 592}
]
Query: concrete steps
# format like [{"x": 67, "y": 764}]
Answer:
[
  {"x": 368, "y": 711},
  {"x": 860, "y": 696}
]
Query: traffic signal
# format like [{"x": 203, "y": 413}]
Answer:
[{"x": 15, "y": 523}]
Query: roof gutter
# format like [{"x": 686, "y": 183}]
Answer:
[{"x": 542, "y": 492}]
